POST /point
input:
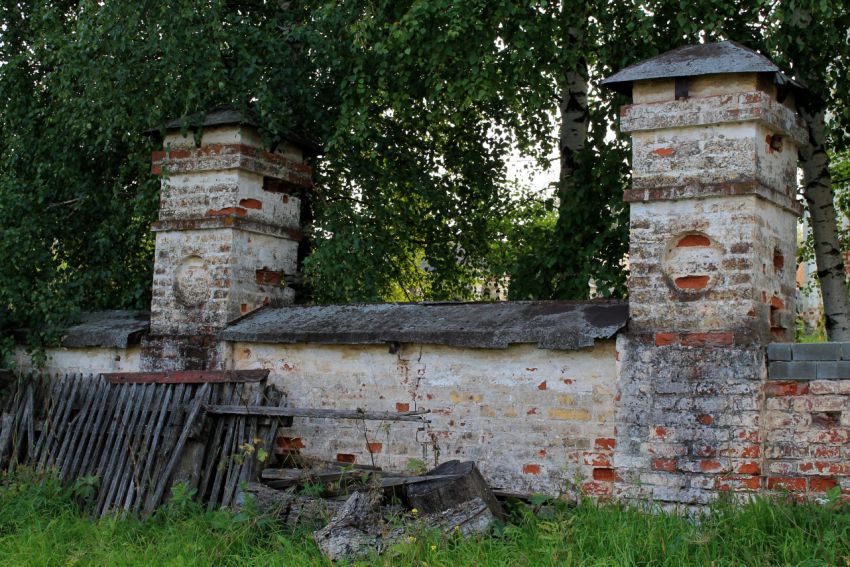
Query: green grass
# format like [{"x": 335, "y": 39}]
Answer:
[{"x": 40, "y": 524}]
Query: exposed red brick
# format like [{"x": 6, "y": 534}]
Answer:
[
  {"x": 664, "y": 152},
  {"x": 710, "y": 466},
  {"x": 373, "y": 447},
  {"x": 531, "y": 469},
  {"x": 705, "y": 419},
  {"x": 786, "y": 388},
  {"x": 832, "y": 436},
  {"x": 822, "y": 483},
  {"x": 251, "y": 204},
  {"x": 605, "y": 443},
  {"x": 827, "y": 452},
  {"x": 778, "y": 260},
  {"x": 345, "y": 458},
  {"x": 776, "y": 303},
  {"x": 751, "y": 452},
  {"x": 605, "y": 475},
  {"x": 596, "y": 489},
  {"x": 693, "y": 240},
  {"x": 243, "y": 308},
  {"x": 290, "y": 443},
  {"x": 692, "y": 282},
  {"x": 750, "y": 467},
  {"x": 824, "y": 467},
  {"x": 666, "y": 339},
  {"x": 532, "y": 411},
  {"x": 265, "y": 276},
  {"x": 708, "y": 339},
  {"x": 660, "y": 432},
  {"x": 401, "y": 406},
  {"x": 786, "y": 483},
  {"x": 227, "y": 211},
  {"x": 668, "y": 465},
  {"x": 542, "y": 385},
  {"x": 597, "y": 460},
  {"x": 542, "y": 453}
]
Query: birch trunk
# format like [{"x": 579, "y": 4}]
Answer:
[
  {"x": 817, "y": 190},
  {"x": 574, "y": 125}
]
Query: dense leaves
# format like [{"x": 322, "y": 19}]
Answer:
[{"x": 418, "y": 103}]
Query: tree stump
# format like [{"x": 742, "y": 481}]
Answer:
[{"x": 446, "y": 493}]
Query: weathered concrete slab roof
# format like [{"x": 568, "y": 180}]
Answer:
[
  {"x": 700, "y": 59},
  {"x": 549, "y": 324},
  {"x": 107, "y": 329}
]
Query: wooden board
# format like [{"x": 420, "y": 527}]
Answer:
[
  {"x": 187, "y": 377},
  {"x": 270, "y": 411}
]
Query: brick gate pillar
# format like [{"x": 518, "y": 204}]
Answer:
[
  {"x": 227, "y": 236},
  {"x": 712, "y": 253}
]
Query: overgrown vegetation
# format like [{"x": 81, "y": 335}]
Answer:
[{"x": 41, "y": 524}]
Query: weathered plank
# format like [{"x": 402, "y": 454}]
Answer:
[
  {"x": 187, "y": 377},
  {"x": 271, "y": 411},
  {"x": 227, "y": 394},
  {"x": 165, "y": 476},
  {"x": 152, "y": 443}
]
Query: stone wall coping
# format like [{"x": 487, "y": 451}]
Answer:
[
  {"x": 564, "y": 325},
  {"x": 107, "y": 329}
]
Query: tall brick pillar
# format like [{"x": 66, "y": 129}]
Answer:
[
  {"x": 227, "y": 237},
  {"x": 712, "y": 248}
]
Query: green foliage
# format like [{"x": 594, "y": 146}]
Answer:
[
  {"x": 80, "y": 84},
  {"x": 40, "y": 525},
  {"x": 418, "y": 104}
]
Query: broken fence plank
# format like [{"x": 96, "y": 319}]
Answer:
[
  {"x": 271, "y": 411},
  {"x": 226, "y": 449},
  {"x": 194, "y": 412},
  {"x": 214, "y": 448},
  {"x": 152, "y": 443},
  {"x": 187, "y": 377}
]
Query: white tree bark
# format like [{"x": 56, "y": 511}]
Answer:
[
  {"x": 574, "y": 125},
  {"x": 817, "y": 190}
]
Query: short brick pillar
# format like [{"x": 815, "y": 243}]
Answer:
[
  {"x": 711, "y": 255},
  {"x": 227, "y": 236}
]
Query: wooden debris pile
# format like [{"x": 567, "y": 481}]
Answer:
[
  {"x": 138, "y": 434},
  {"x": 371, "y": 509}
]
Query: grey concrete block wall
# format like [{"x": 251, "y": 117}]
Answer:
[{"x": 809, "y": 361}]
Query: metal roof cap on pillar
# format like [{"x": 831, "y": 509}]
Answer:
[{"x": 725, "y": 57}]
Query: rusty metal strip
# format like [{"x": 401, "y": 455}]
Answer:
[{"x": 187, "y": 377}]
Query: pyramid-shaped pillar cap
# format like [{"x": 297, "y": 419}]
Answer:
[{"x": 725, "y": 57}]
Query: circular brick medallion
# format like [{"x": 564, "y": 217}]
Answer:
[
  {"x": 192, "y": 284},
  {"x": 691, "y": 263}
]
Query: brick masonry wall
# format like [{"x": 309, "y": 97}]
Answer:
[
  {"x": 726, "y": 264},
  {"x": 688, "y": 422},
  {"x": 534, "y": 420},
  {"x": 807, "y": 418}
]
